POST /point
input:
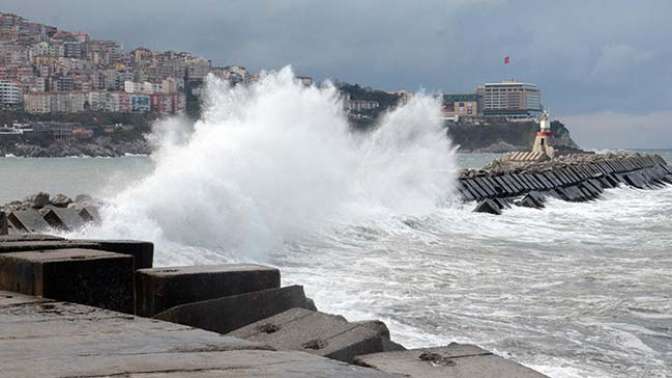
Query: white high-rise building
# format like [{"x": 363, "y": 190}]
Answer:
[
  {"x": 509, "y": 99},
  {"x": 10, "y": 94}
]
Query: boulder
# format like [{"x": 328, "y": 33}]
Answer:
[
  {"x": 227, "y": 314},
  {"x": 159, "y": 289},
  {"x": 61, "y": 200},
  {"x": 313, "y": 332},
  {"x": 39, "y": 200}
]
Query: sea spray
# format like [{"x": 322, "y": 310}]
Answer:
[{"x": 276, "y": 160}]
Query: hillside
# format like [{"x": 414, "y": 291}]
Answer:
[{"x": 504, "y": 136}]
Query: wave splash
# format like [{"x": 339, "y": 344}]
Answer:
[{"x": 275, "y": 160}]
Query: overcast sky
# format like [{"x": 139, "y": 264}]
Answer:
[{"x": 604, "y": 66}]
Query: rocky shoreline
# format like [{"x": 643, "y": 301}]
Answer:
[{"x": 92, "y": 149}]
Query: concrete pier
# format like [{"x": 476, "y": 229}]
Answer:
[
  {"x": 573, "y": 178},
  {"x": 69, "y": 311}
]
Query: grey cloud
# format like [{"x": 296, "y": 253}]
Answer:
[{"x": 619, "y": 130}]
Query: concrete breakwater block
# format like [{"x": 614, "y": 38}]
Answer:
[
  {"x": 162, "y": 288},
  {"x": 452, "y": 361},
  {"x": 67, "y": 219},
  {"x": 97, "y": 278},
  {"x": 27, "y": 221},
  {"x": 533, "y": 199},
  {"x": 43, "y": 338},
  {"x": 90, "y": 214},
  {"x": 226, "y": 314},
  {"x": 28, "y": 237},
  {"x": 4, "y": 225},
  {"x": 142, "y": 252},
  {"x": 314, "y": 332},
  {"x": 488, "y": 206}
]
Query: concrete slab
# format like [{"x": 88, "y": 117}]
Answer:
[
  {"x": 41, "y": 338},
  {"x": 313, "y": 332},
  {"x": 472, "y": 188},
  {"x": 162, "y": 288},
  {"x": 41, "y": 245},
  {"x": 518, "y": 185},
  {"x": 142, "y": 251},
  {"x": 452, "y": 361},
  {"x": 28, "y": 237},
  {"x": 226, "y": 314},
  {"x": 482, "y": 193},
  {"x": 27, "y": 221},
  {"x": 85, "y": 276}
]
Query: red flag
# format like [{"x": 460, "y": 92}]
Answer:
[{"x": 507, "y": 59}]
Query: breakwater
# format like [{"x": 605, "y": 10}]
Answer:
[
  {"x": 580, "y": 177},
  {"x": 99, "y": 308}
]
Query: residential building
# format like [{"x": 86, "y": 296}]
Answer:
[
  {"x": 10, "y": 95},
  {"x": 140, "y": 103},
  {"x": 460, "y": 105},
  {"x": 509, "y": 99},
  {"x": 37, "y": 102},
  {"x": 361, "y": 105}
]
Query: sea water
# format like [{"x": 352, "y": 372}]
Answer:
[{"x": 370, "y": 225}]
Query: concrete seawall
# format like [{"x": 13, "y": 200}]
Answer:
[
  {"x": 573, "y": 178},
  {"x": 73, "y": 308}
]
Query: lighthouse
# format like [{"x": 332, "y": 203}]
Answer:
[{"x": 542, "y": 142}]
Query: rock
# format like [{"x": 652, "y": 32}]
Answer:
[
  {"x": 39, "y": 200},
  {"x": 61, "y": 200},
  {"x": 488, "y": 206},
  {"x": 162, "y": 288},
  {"x": 227, "y": 314},
  {"x": 313, "y": 332},
  {"x": 451, "y": 361},
  {"x": 85, "y": 276}
]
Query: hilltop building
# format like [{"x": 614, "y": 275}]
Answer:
[{"x": 509, "y": 99}]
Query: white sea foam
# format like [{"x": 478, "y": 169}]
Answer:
[{"x": 275, "y": 160}]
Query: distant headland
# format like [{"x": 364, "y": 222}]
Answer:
[{"x": 64, "y": 93}]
